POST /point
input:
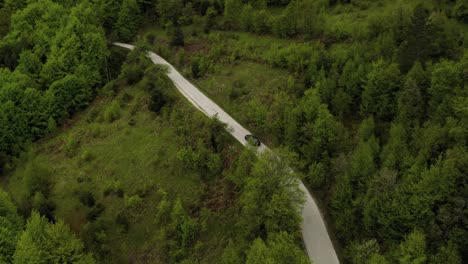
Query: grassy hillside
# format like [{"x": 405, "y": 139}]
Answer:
[
  {"x": 109, "y": 177},
  {"x": 142, "y": 186}
]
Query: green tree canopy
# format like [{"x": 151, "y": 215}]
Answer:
[
  {"x": 129, "y": 20},
  {"x": 43, "y": 242},
  {"x": 11, "y": 225}
]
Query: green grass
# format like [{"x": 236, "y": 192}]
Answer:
[
  {"x": 246, "y": 90},
  {"x": 246, "y": 87},
  {"x": 135, "y": 153}
]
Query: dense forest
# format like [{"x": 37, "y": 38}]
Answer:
[{"x": 367, "y": 100}]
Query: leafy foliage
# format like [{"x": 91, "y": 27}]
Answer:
[
  {"x": 43, "y": 242},
  {"x": 10, "y": 230},
  {"x": 373, "y": 105}
]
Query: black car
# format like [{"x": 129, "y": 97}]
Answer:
[{"x": 253, "y": 140}]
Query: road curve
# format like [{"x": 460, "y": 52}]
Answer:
[{"x": 314, "y": 232}]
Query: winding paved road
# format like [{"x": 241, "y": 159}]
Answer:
[{"x": 314, "y": 232}]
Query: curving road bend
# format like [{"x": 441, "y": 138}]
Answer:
[{"x": 314, "y": 232}]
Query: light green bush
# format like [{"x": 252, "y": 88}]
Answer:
[
  {"x": 112, "y": 112},
  {"x": 71, "y": 145}
]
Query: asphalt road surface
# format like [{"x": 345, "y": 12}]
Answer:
[{"x": 314, "y": 232}]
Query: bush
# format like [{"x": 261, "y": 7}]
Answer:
[
  {"x": 189, "y": 158},
  {"x": 95, "y": 212},
  {"x": 214, "y": 163},
  {"x": 132, "y": 122},
  {"x": 317, "y": 174},
  {"x": 125, "y": 99},
  {"x": 3, "y": 162},
  {"x": 94, "y": 131},
  {"x": 45, "y": 207},
  {"x": 113, "y": 112},
  {"x": 261, "y": 22},
  {"x": 199, "y": 66},
  {"x": 195, "y": 67},
  {"x": 85, "y": 157},
  {"x": 151, "y": 38},
  {"x": 174, "y": 32},
  {"x": 71, "y": 145},
  {"x": 157, "y": 102},
  {"x": 132, "y": 73},
  {"x": 93, "y": 114},
  {"x": 133, "y": 201},
  {"x": 86, "y": 198},
  {"x": 122, "y": 221},
  {"x": 114, "y": 188},
  {"x": 180, "y": 58},
  {"x": 51, "y": 125}
]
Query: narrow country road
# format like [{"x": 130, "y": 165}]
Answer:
[{"x": 314, "y": 232}]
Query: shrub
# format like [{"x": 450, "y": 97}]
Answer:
[
  {"x": 119, "y": 192},
  {"x": 174, "y": 32},
  {"x": 3, "y": 162},
  {"x": 71, "y": 145},
  {"x": 95, "y": 130},
  {"x": 122, "y": 221},
  {"x": 164, "y": 211},
  {"x": 317, "y": 174},
  {"x": 85, "y": 157},
  {"x": 233, "y": 93},
  {"x": 45, "y": 207},
  {"x": 95, "y": 212},
  {"x": 180, "y": 58},
  {"x": 188, "y": 231},
  {"x": 195, "y": 67},
  {"x": 133, "y": 201},
  {"x": 93, "y": 114},
  {"x": 214, "y": 163},
  {"x": 114, "y": 188},
  {"x": 125, "y": 99},
  {"x": 151, "y": 38},
  {"x": 132, "y": 73},
  {"x": 189, "y": 158},
  {"x": 113, "y": 112},
  {"x": 86, "y": 198},
  {"x": 111, "y": 87},
  {"x": 51, "y": 125},
  {"x": 157, "y": 102},
  {"x": 132, "y": 122},
  {"x": 261, "y": 22}
]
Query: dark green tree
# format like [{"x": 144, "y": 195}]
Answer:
[
  {"x": 209, "y": 20},
  {"x": 396, "y": 154},
  {"x": 246, "y": 18},
  {"x": 418, "y": 41},
  {"x": 410, "y": 104},
  {"x": 176, "y": 35},
  {"x": 171, "y": 11},
  {"x": 461, "y": 10},
  {"x": 445, "y": 83},
  {"x": 129, "y": 20},
  {"x": 232, "y": 10},
  {"x": 413, "y": 249},
  {"x": 280, "y": 248},
  {"x": 269, "y": 198},
  {"x": 380, "y": 89},
  {"x": 11, "y": 225}
]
